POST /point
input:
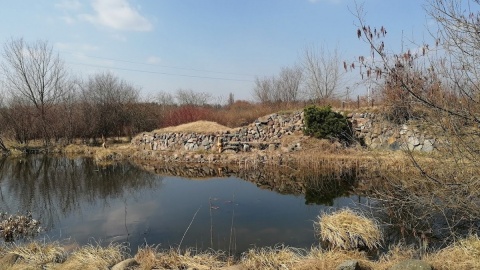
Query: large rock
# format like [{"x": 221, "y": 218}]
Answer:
[
  {"x": 8, "y": 261},
  {"x": 412, "y": 265},
  {"x": 349, "y": 265},
  {"x": 126, "y": 264}
]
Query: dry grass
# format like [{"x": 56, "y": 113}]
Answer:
[
  {"x": 197, "y": 127},
  {"x": 465, "y": 254},
  {"x": 348, "y": 230},
  {"x": 36, "y": 254},
  {"x": 272, "y": 258},
  {"x": 96, "y": 257},
  {"x": 150, "y": 257},
  {"x": 321, "y": 259},
  {"x": 396, "y": 254},
  {"x": 146, "y": 257}
]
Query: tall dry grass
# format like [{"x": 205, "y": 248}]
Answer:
[
  {"x": 96, "y": 256},
  {"x": 151, "y": 257},
  {"x": 267, "y": 258},
  {"x": 464, "y": 254},
  {"x": 348, "y": 230},
  {"x": 36, "y": 254}
]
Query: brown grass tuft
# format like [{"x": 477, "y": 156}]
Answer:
[
  {"x": 272, "y": 258},
  {"x": 149, "y": 258},
  {"x": 37, "y": 254},
  {"x": 396, "y": 254},
  {"x": 348, "y": 230},
  {"x": 465, "y": 254},
  {"x": 321, "y": 259},
  {"x": 96, "y": 257},
  {"x": 146, "y": 257}
]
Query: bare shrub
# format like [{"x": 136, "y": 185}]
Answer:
[{"x": 440, "y": 81}]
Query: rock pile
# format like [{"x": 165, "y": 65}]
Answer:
[
  {"x": 265, "y": 133},
  {"x": 262, "y": 134},
  {"x": 377, "y": 133}
]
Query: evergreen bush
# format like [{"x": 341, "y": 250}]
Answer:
[{"x": 323, "y": 123}]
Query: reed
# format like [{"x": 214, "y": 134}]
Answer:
[
  {"x": 266, "y": 258},
  {"x": 348, "y": 230},
  {"x": 151, "y": 258},
  {"x": 96, "y": 256},
  {"x": 464, "y": 254},
  {"x": 36, "y": 254}
]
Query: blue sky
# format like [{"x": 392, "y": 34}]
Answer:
[{"x": 214, "y": 46}]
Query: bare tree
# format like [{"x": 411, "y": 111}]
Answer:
[
  {"x": 35, "y": 73},
  {"x": 189, "y": 97},
  {"x": 288, "y": 83},
  {"x": 3, "y": 148},
  {"x": 263, "y": 89},
  {"x": 322, "y": 73},
  {"x": 165, "y": 99},
  {"x": 107, "y": 101}
]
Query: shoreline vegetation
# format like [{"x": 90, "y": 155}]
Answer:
[
  {"x": 463, "y": 254},
  {"x": 371, "y": 168}
]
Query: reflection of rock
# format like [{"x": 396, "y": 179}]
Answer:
[{"x": 320, "y": 186}]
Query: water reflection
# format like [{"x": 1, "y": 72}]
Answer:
[
  {"x": 53, "y": 188},
  {"x": 75, "y": 198}
]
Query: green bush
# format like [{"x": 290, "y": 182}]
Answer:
[{"x": 323, "y": 123}]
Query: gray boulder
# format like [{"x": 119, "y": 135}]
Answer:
[
  {"x": 349, "y": 265},
  {"x": 412, "y": 265}
]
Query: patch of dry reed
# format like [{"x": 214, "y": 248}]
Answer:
[
  {"x": 321, "y": 259},
  {"x": 348, "y": 230},
  {"x": 96, "y": 256},
  {"x": 272, "y": 258},
  {"x": 151, "y": 258},
  {"x": 465, "y": 254},
  {"x": 38, "y": 254}
]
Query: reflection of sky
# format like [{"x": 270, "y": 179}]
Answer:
[{"x": 161, "y": 216}]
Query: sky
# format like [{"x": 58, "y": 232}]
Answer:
[{"x": 213, "y": 46}]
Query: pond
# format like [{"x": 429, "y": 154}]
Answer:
[{"x": 79, "y": 200}]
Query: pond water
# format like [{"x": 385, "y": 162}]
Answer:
[{"x": 87, "y": 203}]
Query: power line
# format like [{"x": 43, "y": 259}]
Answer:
[
  {"x": 161, "y": 73},
  {"x": 156, "y": 65}
]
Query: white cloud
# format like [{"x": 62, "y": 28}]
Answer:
[
  {"x": 117, "y": 14},
  {"x": 153, "y": 60}
]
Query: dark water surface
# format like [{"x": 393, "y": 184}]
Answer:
[{"x": 77, "y": 199}]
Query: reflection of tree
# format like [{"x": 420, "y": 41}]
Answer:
[
  {"x": 51, "y": 187},
  {"x": 323, "y": 188}
]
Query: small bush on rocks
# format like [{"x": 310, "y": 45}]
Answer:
[{"x": 323, "y": 123}]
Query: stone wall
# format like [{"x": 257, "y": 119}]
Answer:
[
  {"x": 377, "y": 133},
  {"x": 265, "y": 134}
]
